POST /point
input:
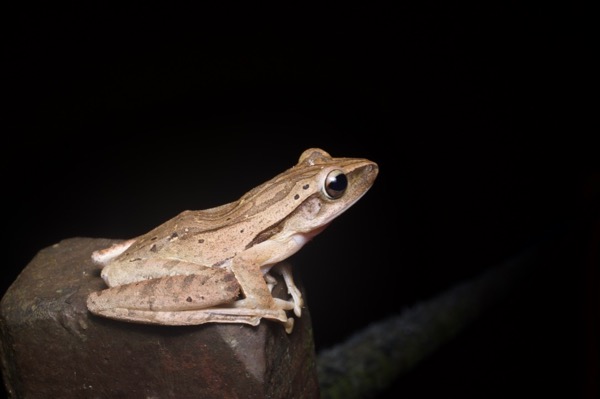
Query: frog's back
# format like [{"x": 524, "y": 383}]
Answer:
[{"x": 193, "y": 236}]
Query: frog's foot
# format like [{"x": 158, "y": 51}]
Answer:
[
  {"x": 274, "y": 309},
  {"x": 287, "y": 305},
  {"x": 275, "y": 306},
  {"x": 255, "y": 315},
  {"x": 250, "y": 316},
  {"x": 285, "y": 270},
  {"x": 197, "y": 317}
]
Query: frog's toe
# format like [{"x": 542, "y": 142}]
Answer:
[
  {"x": 289, "y": 325},
  {"x": 297, "y": 309}
]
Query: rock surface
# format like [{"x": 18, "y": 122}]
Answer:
[{"x": 51, "y": 346}]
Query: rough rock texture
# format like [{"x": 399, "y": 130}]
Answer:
[{"x": 52, "y": 347}]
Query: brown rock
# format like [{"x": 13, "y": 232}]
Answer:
[{"x": 52, "y": 347}]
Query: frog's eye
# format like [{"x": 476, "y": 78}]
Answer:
[{"x": 335, "y": 185}]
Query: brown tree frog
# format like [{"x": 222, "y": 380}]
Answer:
[{"x": 214, "y": 265}]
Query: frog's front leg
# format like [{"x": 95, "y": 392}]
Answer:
[
  {"x": 256, "y": 289},
  {"x": 257, "y": 286},
  {"x": 285, "y": 269}
]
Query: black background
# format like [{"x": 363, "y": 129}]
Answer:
[{"x": 118, "y": 119}]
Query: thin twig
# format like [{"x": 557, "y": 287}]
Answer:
[{"x": 371, "y": 359}]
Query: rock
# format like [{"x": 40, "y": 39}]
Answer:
[{"x": 52, "y": 347}]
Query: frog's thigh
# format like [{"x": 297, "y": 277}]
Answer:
[
  {"x": 126, "y": 272},
  {"x": 210, "y": 288}
]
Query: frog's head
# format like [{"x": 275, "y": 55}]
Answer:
[{"x": 326, "y": 187}]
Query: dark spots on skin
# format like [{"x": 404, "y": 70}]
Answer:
[
  {"x": 219, "y": 263},
  {"x": 187, "y": 281},
  {"x": 188, "y": 299},
  {"x": 242, "y": 230},
  {"x": 306, "y": 186},
  {"x": 153, "y": 248},
  {"x": 173, "y": 236},
  {"x": 231, "y": 289},
  {"x": 168, "y": 282},
  {"x": 296, "y": 196},
  {"x": 148, "y": 289},
  {"x": 201, "y": 241},
  {"x": 154, "y": 238},
  {"x": 265, "y": 234}
]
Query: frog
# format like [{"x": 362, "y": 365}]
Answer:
[{"x": 217, "y": 265}]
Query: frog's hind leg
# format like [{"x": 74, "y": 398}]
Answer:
[
  {"x": 296, "y": 303},
  {"x": 248, "y": 316},
  {"x": 197, "y": 317},
  {"x": 136, "y": 269},
  {"x": 168, "y": 295},
  {"x": 235, "y": 314}
]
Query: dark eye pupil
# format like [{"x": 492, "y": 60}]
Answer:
[
  {"x": 335, "y": 184},
  {"x": 339, "y": 182}
]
